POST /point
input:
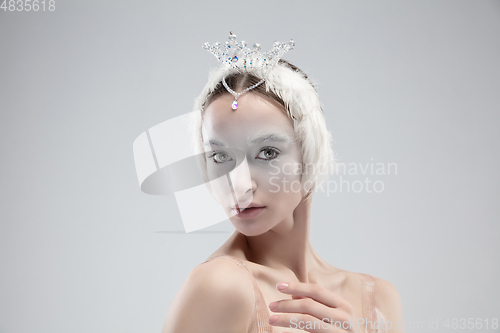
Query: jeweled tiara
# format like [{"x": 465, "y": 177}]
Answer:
[{"x": 234, "y": 54}]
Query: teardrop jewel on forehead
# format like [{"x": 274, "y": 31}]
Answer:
[
  {"x": 236, "y": 54},
  {"x": 234, "y": 106}
]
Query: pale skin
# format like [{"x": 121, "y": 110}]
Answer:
[{"x": 217, "y": 296}]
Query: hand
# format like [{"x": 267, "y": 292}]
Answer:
[{"x": 313, "y": 308}]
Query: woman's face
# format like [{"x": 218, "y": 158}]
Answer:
[{"x": 253, "y": 154}]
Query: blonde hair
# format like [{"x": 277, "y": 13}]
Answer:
[{"x": 293, "y": 89}]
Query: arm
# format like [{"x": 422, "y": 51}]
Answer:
[
  {"x": 216, "y": 297},
  {"x": 389, "y": 304}
]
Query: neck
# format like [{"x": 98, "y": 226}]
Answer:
[{"x": 286, "y": 246}]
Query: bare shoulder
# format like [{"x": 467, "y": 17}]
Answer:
[
  {"x": 389, "y": 303},
  {"x": 386, "y": 291},
  {"x": 217, "y": 296}
]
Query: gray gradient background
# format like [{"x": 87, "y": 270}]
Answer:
[{"x": 414, "y": 83}]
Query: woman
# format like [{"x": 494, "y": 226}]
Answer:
[{"x": 266, "y": 119}]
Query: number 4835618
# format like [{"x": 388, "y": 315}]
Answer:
[
  {"x": 471, "y": 323},
  {"x": 28, "y": 5}
]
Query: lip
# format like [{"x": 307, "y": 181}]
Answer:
[
  {"x": 249, "y": 212},
  {"x": 251, "y": 205}
]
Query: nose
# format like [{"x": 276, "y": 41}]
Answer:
[
  {"x": 242, "y": 184},
  {"x": 244, "y": 194}
]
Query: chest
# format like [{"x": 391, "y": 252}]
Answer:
[{"x": 346, "y": 286}]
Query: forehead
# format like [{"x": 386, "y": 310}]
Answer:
[{"x": 254, "y": 119}]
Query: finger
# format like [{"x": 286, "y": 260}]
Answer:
[
  {"x": 308, "y": 306},
  {"x": 314, "y": 291},
  {"x": 298, "y": 297},
  {"x": 302, "y": 322}
]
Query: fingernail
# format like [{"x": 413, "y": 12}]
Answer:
[
  {"x": 282, "y": 285},
  {"x": 272, "y": 319},
  {"x": 273, "y": 305}
]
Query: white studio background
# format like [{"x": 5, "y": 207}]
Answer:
[{"x": 415, "y": 83}]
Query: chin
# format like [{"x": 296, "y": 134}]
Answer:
[{"x": 249, "y": 228}]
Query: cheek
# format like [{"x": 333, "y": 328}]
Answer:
[
  {"x": 281, "y": 177},
  {"x": 221, "y": 191},
  {"x": 282, "y": 191}
]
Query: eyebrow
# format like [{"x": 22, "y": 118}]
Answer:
[
  {"x": 255, "y": 139},
  {"x": 261, "y": 137}
]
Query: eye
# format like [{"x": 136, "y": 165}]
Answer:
[
  {"x": 268, "y": 154},
  {"x": 219, "y": 157}
]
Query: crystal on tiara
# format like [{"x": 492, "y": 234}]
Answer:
[{"x": 234, "y": 54}]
